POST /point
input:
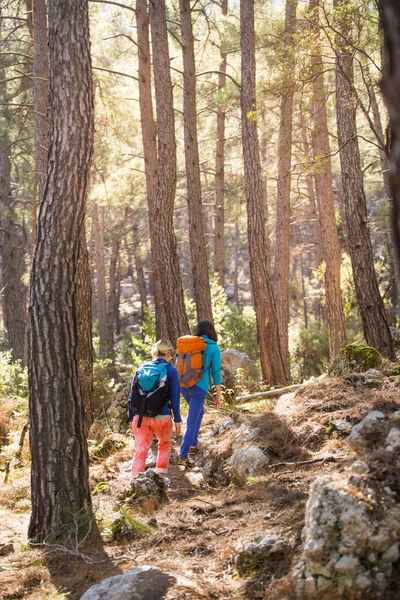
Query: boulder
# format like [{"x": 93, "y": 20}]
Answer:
[
  {"x": 365, "y": 433},
  {"x": 352, "y": 523},
  {"x": 142, "y": 583},
  {"x": 257, "y": 552},
  {"x": 247, "y": 462},
  {"x": 355, "y": 358},
  {"x": 231, "y": 362}
]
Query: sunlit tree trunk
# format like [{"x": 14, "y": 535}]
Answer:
[
  {"x": 59, "y": 468},
  {"x": 115, "y": 239},
  {"x": 202, "y": 294},
  {"x": 324, "y": 192},
  {"x": 149, "y": 136},
  {"x": 272, "y": 359},
  {"x": 282, "y": 250},
  {"x": 166, "y": 255},
  {"x": 139, "y": 271},
  {"x": 219, "y": 182},
  {"x": 370, "y": 304},
  {"x": 98, "y": 226}
]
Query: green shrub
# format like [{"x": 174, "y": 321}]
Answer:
[
  {"x": 13, "y": 377},
  {"x": 310, "y": 355},
  {"x": 134, "y": 350}
]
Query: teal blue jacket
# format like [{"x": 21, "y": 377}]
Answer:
[{"x": 211, "y": 365}]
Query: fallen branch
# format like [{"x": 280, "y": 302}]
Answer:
[
  {"x": 309, "y": 462},
  {"x": 270, "y": 393}
]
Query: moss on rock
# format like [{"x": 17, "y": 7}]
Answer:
[
  {"x": 356, "y": 358},
  {"x": 111, "y": 443}
]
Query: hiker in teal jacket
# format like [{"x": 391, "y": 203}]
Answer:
[{"x": 196, "y": 395}]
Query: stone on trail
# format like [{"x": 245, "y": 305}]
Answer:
[
  {"x": 257, "y": 552},
  {"x": 142, "y": 583},
  {"x": 248, "y": 462}
]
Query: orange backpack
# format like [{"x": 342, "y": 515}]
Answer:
[{"x": 189, "y": 362}]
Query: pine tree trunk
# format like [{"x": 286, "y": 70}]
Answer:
[
  {"x": 41, "y": 126},
  {"x": 390, "y": 16},
  {"x": 219, "y": 182},
  {"x": 370, "y": 304},
  {"x": 394, "y": 266},
  {"x": 282, "y": 251},
  {"x": 12, "y": 247},
  {"x": 111, "y": 296},
  {"x": 149, "y": 136},
  {"x": 272, "y": 359},
  {"x": 84, "y": 316},
  {"x": 59, "y": 476},
  {"x": 166, "y": 254},
  {"x": 140, "y": 271},
  {"x": 98, "y": 226},
  {"x": 324, "y": 191},
  {"x": 202, "y": 293}
]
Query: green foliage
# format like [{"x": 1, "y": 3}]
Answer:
[
  {"x": 13, "y": 377},
  {"x": 103, "y": 384},
  {"x": 310, "y": 355},
  {"x": 355, "y": 358},
  {"x": 134, "y": 350},
  {"x": 110, "y": 444},
  {"x": 127, "y": 527},
  {"x": 101, "y": 488},
  {"x": 240, "y": 331}
]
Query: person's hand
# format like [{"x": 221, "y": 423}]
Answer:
[
  {"x": 218, "y": 402},
  {"x": 178, "y": 428}
]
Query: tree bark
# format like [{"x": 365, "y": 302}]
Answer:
[
  {"x": 390, "y": 17},
  {"x": 202, "y": 293},
  {"x": 219, "y": 182},
  {"x": 272, "y": 359},
  {"x": 41, "y": 125},
  {"x": 139, "y": 271},
  {"x": 149, "y": 136},
  {"x": 166, "y": 255},
  {"x": 84, "y": 317},
  {"x": 12, "y": 239},
  {"x": 111, "y": 296},
  {"x": 370, "y": 303},
  {"x": 324, "y": 191},
  {"x": 394, "y": 266},
  {"x": 98, "y": 226},
  {"x": 59, "y": 476},
  {"x": 282, "y": 250},
  {"x": 12, "y": 247}
]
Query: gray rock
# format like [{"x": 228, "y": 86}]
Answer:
[
  {"x": 248, "y": 462},
  {"x": 358, "y": 439},
  {"x": 348, "y": 548},
  {"x": 231, "y": 361},
  {"x": 375, "y": 373},
  {"x": 143, "y": 583},
  {"x": 392, "y": 440},
  {"x": 258, "y": 551},
  {"x": 341, "y": 425}
]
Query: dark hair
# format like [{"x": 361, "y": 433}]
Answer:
[{"x": 206, "y": 328}]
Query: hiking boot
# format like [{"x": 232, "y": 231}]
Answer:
[
  {"x": 193, "y": 450},
  {"x": 185, "y": 462},
  {"x": 167, "y": 481}
]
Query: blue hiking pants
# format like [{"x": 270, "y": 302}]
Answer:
[{"x": 195, "y": 397}]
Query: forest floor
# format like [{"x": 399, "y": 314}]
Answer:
[{"x": 193, "y": 535}]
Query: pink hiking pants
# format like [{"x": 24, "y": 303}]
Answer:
[{"x": 162, "y": 429}]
